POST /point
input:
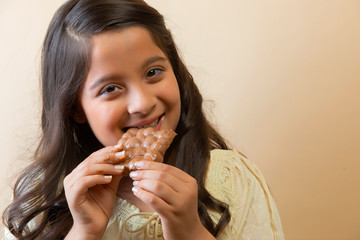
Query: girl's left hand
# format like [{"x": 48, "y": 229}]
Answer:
[{"x": 173, "y": 194}]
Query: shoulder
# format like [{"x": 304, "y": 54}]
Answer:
[
  {"x": 236, "y": 181},
  {"x": 226, "y": 170}
]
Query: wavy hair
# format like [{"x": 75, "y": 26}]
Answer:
[{"x": 65, "y": 143}]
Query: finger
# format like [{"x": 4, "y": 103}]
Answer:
[
  {"x": 108, "y": 154},
  {"x": 105, "y": 155},
  {"x": 173, "y": 182},
  {"x": 83, "y": 184},
  {"x": 156, "y": 203},
  {"x": 149, "y": 165},
  {"x": 93, "y": 169},
  {"x": 101, "y": 169},
  {"x": 160, "y": 189},
  {"x": 108, "y": 157}
]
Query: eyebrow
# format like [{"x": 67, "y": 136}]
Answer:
[
  {"x": 110, "y": 77},
  {"x": 102, "y": 80},
  {"x": 153, "y": 60}
]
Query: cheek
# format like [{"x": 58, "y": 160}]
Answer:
[
  {"x": 104, "y": 116},
  {"x": 172, "y": 94},
  {"x": 106, "y": 124}
]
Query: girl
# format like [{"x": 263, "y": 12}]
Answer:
[{"x": 108, "y": 65}]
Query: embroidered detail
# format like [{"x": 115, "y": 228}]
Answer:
[{"x": 152, "y": 226}]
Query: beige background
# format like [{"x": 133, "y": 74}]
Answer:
[{"x": 282, "y": 79}]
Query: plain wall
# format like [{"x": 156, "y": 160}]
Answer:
[{"x": 281, "y": 78}]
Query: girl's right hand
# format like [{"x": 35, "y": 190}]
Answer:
[{"x": 90, "y": 191}]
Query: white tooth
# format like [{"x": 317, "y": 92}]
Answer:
[{"x": 153, "y": 124}]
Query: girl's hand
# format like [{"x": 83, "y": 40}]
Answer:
[
  {"x": 90, "y": 191},
  {"x": 173, "y": 194}
]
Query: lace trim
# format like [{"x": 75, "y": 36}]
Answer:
[
  {"x": 153, "y": 220},
  {"x": 131, "y": 220}
]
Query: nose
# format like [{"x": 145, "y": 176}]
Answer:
[{"x": 141, "y": 100}]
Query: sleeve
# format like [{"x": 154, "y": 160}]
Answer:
[{"x": 236, "y": 181}]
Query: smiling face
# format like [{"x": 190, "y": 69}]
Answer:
[{"x": 130, "y": 83}]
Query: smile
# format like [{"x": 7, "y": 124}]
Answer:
[{"x": 155, "y": 124}]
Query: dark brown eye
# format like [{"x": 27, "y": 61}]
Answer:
[
  {"x": 154, "y": 72},
  {"x": 109, "y": 89}
]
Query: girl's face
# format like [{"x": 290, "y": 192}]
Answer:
[{"x": 130, "y": 83}]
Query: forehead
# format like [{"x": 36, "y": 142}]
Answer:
[
  {"x": 121, "y": 52},
  {"x": 134, "y": 36},
  {"x": 128, "y": 44}
]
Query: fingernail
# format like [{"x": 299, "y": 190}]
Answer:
[
  {"x": 108, "y": 176},
  {"x": 138, "y": 164},
  {"x": 132, "y": 167},
  {"x": 120, "y": 154},
  {"x": 134, "y": 174},
  {"x": 135, "y": 183},
  {"x": 119, "y": 167},
  {"x": 135, "y": 189}
]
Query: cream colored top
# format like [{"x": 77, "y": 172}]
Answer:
[{"x": 231, "y": 178}]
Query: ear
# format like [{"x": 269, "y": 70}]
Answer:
[{"x": 79, "y": 115}]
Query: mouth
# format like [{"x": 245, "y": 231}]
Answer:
[{"x": 154, "y": 124}]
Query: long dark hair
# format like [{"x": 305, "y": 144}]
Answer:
[{"x": 64, "y": 143}]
